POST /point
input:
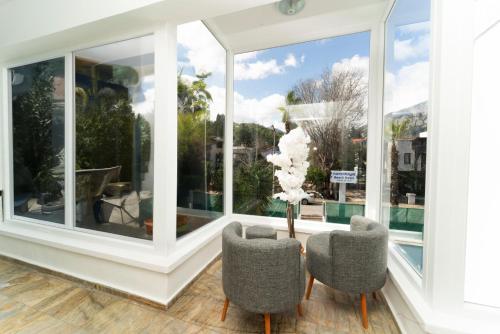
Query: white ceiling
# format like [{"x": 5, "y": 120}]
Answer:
[
  {"x": 262, "y": 26},
  {"x": 269, "y": 14}
]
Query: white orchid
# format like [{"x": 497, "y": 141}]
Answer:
[{"x": 292, "y": 160}]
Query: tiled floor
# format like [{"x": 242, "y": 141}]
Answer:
[{"x": 36, "y": 302}]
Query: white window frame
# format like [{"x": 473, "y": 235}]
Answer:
[
  {"x": 8, "y": 147},
  {"x": 108, "y": 245},
  {"x": 207, "y": 231},
  {"x": 59, "y": 232},
  {"x": 373, "y": 137}
]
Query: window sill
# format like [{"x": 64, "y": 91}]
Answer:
[
  {"x": 128, "y": 252},
  {"x": 301, "y": 226},
  {"x": 112, "y": 249}
]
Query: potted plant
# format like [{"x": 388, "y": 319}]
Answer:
[{"x": 292, "y": 169}]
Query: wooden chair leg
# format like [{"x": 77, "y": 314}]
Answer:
[
  {"x": 267, "y": 323},
  {"x": 224, "y": 310},
  {"x": 299, "y": 310},
  {"x": 309, "y": 286},
  {"x": 364, "y": 313},
  {"x": 374, "y": 294}
]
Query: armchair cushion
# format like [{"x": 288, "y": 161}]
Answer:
[
  {"x": 319, "y": 257},
  {"x": 353, "y": 261},
  {"x": 261, "y": 275}
]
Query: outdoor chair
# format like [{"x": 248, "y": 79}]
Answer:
[
  {"x": 90, "y": 185},
  {"x": 352, "y": 261},
  {"x": 261, "y": 275}
]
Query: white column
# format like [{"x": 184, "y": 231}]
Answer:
[
  {"x": 483, "y": 229},
  {"x": 228, "y": 136},
  {"x": 165, "y": 139},
  {"x": 448, "y": 154},
  {"x": 375, "y": 120}
]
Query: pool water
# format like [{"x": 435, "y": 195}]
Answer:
[{"x": 413, "y": 254}]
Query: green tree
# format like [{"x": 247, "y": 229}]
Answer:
[
  {"x": 316, "y": 176},
  {"x": 252, "y": 187},
  {"x": 396, "y": 131},
  {"x": 38, "y": 128},
  {"x": 200, "y": 141},
  {"x": 105, "y": 122}
]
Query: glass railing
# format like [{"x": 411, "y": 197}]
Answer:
[
  {"x": 407, "y": 219},
  {"x": 341, "y": 213}
]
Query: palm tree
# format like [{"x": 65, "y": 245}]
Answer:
[
  {"x": 290, "y": 99},
  {"x": 398, "y": 129}
]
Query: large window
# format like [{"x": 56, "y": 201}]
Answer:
[
  {"x": 114, "y": 102},
  {"x": 406, "y": 93},
  {"x": 38, "y": 140},
  {"x": 201, "y": 117},
  {"x": 321, "y": 86}
]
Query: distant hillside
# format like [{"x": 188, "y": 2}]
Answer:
[
  {"x": 417, "y": 115},
  {"x": 255, "y": 135}
]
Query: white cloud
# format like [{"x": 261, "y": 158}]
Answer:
[
  {"x": 262, "y": 111},
  {"x": 188, "y": 79},
  {"x": 204, "y": 52},
  {"x": 143, "y": 100},
  {"x": 256, "y": 70},
  {"x": 291, "y": 60},
  {"x": 354, "y": 63},
  {"x": 218, "y": 104},
  {"x": 246, "y": 56},
  {"x": 246, "y": 70},
  {"x": 412, "y": 47},
  {"x": 265, "y": 111},
  {"x": 419, "y": 27},
  {"x": 407, "y": 87},
  {"x": 302, "y": 58}
]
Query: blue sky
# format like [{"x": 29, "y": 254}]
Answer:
[
  {"x": 407, "y": 55},
  {"x": 262, "y": 78},
  {"x": 317, "y": 56}
]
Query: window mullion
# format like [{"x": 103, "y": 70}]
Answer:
[
  {"x": 6, "y": 148},
  {"x": 69, "y": 142}
]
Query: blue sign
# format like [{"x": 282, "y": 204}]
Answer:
[{"x": 344, "y": 176}]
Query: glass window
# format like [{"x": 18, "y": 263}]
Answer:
[
  {"x": 201, "y": 104},
  {"x": 406, "y": 94},
  {"x": 321, "y": 86},
  {"x": 38, "y": 140},
  {"x": 114, "y": 97}
]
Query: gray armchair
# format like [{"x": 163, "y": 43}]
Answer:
[
  {"x": 352, "y": 261},
  {"x": 261, "y": 275}
]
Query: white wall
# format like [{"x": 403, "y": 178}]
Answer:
[
  {"x": 36, "y": 27},
  {"x": 483, "y": 230}
]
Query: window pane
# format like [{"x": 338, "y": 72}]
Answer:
[
  {"x": 321, "y": 86},
  {"x": 114, "y": 96},
  {"x": 406, "y": 94},
  {"x": 201, "y": 106},
  {"x": 38, "y": 140}
]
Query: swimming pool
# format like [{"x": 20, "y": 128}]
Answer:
[{"x": 413, "y": 254}]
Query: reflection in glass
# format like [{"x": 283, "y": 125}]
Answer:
[
  {"x": 321, "y": 86},
  {"x": 201, "y": 117},
  {"x": 406, "y": 94},
  {"x": 38, "y": 140},
  {"x": 114, "y": 96}
]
